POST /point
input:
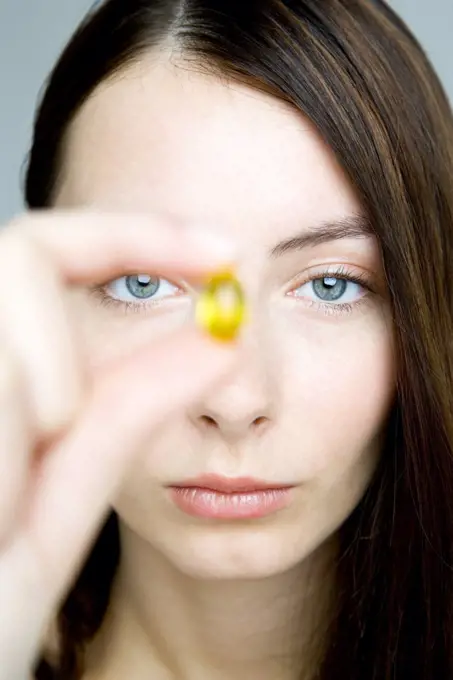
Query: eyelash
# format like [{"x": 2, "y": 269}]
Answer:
[
  {"x": 344, "y": 274},
  {"x": 340, "y": 273}
]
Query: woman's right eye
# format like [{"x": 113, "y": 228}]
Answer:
[
  {"x": 140, "y": 287},
  {"x": 136, "y": 291}
]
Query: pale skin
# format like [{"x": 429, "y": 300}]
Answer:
[{"x": 302, "y": 398}]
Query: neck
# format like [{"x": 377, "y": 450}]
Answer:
[{"x": 182, "y": 628}]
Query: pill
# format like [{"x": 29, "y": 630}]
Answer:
[{"x": 221, "y": 308}]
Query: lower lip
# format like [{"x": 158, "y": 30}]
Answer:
[{"x": 199, "y": 502}]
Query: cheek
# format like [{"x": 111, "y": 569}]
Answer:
[
  {"x": 341, "y": 386},
  {"x": 107, "y": 334}
]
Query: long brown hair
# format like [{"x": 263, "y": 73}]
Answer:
[{"x": 357, "y": 72}]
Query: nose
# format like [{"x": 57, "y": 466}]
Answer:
[{"x": 242, "y": 405}]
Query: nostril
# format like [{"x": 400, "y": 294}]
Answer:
[
  {"x": 210, "y": 422},
  {"x": 260, "y": 425}
]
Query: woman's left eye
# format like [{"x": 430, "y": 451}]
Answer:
[{"x": 334, "y": 291}]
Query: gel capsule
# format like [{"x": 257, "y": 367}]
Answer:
[{"x": 220, "y": 309}]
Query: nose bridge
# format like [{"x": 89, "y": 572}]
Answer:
[{"x": 247, "y": 398}]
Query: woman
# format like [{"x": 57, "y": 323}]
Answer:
[{"x": 279, "y": 507}]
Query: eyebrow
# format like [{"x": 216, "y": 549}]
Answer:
[{"x": 352, "y": 226}]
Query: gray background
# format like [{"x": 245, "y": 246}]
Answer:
[{"x": 32, "y": 33}]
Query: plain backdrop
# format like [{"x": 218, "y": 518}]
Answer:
[{"x": 33, "y": 32}]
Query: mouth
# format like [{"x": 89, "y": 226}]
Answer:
[{"x": 217, "y": 497}]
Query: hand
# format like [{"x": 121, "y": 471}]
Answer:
[{"x": 67, "y": 437}]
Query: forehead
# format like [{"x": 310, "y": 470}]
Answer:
[{"x": 166, "y": 138}]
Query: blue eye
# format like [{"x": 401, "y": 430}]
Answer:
[
  {"x": 330, "y": 289},
  {"x": 132, "y": 289},
  {"x": 335, "y": 291}
]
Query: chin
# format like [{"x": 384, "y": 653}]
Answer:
[{"x": 225, "y": 552}]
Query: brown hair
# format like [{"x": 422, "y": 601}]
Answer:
[{"x": 356, "y": 71}]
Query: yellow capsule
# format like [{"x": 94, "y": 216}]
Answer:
[{"x": 221, "y": 308}]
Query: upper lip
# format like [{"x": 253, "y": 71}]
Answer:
[{"x": 230, "y": 484}]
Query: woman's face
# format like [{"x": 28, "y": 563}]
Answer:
[{"x": 314, "y": 383}]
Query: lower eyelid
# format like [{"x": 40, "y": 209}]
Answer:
[
  {"x": 336, "y": 309},
  {"x": 105, "y": 300}
]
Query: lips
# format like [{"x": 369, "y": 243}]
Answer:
[
  {"x": 230, "y": 485},
  {"x": 216, "y": 497}
]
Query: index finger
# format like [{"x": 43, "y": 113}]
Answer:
[{"x": 86, "y": 245}]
